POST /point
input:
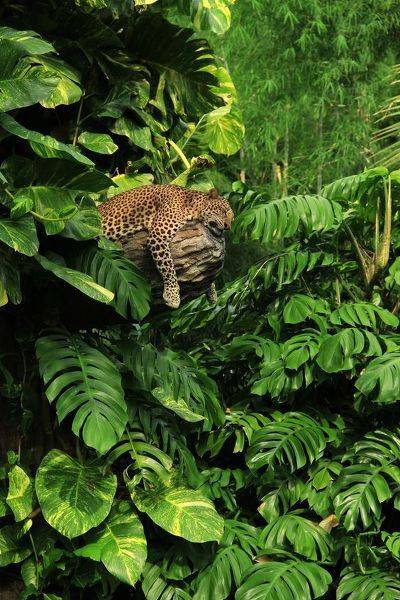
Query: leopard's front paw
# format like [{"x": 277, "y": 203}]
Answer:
[{"x": 171, "y": 295}]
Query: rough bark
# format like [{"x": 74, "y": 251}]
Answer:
[{"x": 198, "y": 253}]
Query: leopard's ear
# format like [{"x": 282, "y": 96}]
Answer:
[{"x": 213, "y": 193}]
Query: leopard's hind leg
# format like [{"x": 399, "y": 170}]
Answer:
[{"x": 163, "y": 228}]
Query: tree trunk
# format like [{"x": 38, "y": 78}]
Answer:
[{"x": 198, "y": 254}]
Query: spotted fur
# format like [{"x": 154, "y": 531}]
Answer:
[{"x": 163, "y": 210}]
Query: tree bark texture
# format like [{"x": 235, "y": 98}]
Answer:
[{"x": 198, "y": 253}]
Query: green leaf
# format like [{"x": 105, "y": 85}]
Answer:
[
  {"x": 298, "y": 309},
  {"x": 282, "y": 218},
  {"x": 67, "y": 90},
  {"x": 123, "y": 183},
  {"x": 155, "y": 586},
  {"x": 360, "y": 491},
  {"x": 20, "y": 493},
  {"x": 380, "y": 379},
  {"x": 43, "y": 145},
  {"x": 304, "y": 536},
  {"x": 181, "y": 58},
  {"x": 178, "y": 406},
  {"x": 73, "y": 497},
  {"x": 20, "y": 235},
  {"x": 82, "y": 282},
  {"x": 223, "y": 575},
  {"x": 84, "y": 224},
  {"x": 118, "y": 274},
  {"x": 181, "y": 511},
  {"x": 120, "y": 544},
  {"x": 293, "y": 440},
  {"x": 139, "y": 136},
  {"x": 12, "y": 549},
  {"x": 17, "y": 92},
  {"x": 211, "y": 15},
  {"x": 382, "y": 585},
  {"x": 363, "y": 314},
  {"x": 54, "y": 204},
  {"x": 224, "y": 130},
  {"x": 339, "y": 352},
  {"x": 97, "y": 142},
  {"x": 289, "y": 580},
  {"x": 82, "y": 379}
]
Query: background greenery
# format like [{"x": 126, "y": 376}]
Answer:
[{"x": 246, "y": 450}]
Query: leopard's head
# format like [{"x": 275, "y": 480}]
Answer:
[{"x": 216, "y": 212}]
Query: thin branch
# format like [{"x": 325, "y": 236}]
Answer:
[
  {"x": 360, "y": 256},
  {"x": 78, "y": 122}
]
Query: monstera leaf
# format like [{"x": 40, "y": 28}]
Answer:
[
  {"x": 290, "y": 579},
  {"x": 364, "y": 586},
  {"x": 116, "y": 273},
  {"x": 304, "y": 536},
  {"x": 73, "y": 497},
  {"x": 120, "y": 544},
  {"x": 282, "y": 218},
  {"x": 82, "y": 379}
]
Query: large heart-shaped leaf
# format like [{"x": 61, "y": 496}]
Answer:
[
  {"x": 120, "y": 544},
  {"x": 181, "y": 511},
  {"x": 20, "y": 493},
  {"x": 20, "y": 235},
  {"x": 74, "y": 497},
  {"x": 12, "y": 548}
]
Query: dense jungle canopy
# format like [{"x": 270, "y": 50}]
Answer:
[{"x": 247, "y": 449}]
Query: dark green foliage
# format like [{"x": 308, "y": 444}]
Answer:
[{"x": 246, "y": 450}]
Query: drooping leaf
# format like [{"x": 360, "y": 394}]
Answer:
[
  {"x": 268, "y": 221},
  {"x": 339, "y": 352},
  {"x": 82, "y": 282},
  {"x": 17, "y": 92},
  {"x": 12, "y": 548},
  {"x": 43, "y": 145},
  {"x": 156, "y": 587},
  {"x": 20, "y": 235},
  {"x": 120, "y": 544},
  {"x": 224, "y": 130},
  {"x": 74, "y": 497},
  {"x": 20, "y": 495},
  {"x": 293, "y": 439},
  {"x": 181, "y": 511},
  {"x": 223, "y": 575},
  {"x": 360, "y": 491}
]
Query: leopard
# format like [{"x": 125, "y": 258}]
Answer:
[{"x": 162, "y": 210}]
